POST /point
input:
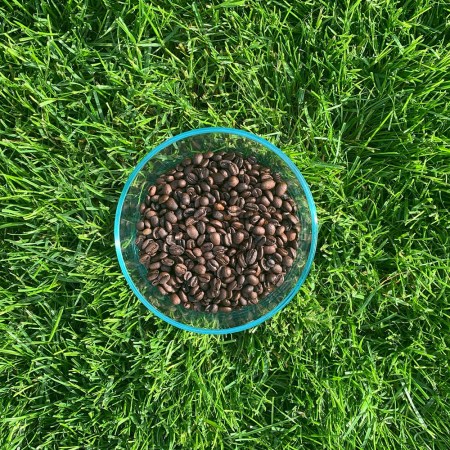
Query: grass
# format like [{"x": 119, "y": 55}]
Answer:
[{"x": 356, "y": 93}]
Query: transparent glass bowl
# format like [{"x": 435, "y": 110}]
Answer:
[{"x": 168, "y": 155}]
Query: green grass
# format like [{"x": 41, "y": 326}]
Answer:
[{"x": 356, "y": 93}]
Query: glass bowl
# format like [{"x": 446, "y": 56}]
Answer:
[{"x": 168, "y": 155}]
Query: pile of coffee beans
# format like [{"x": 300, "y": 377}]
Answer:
[{"x": 217, "y": 232}]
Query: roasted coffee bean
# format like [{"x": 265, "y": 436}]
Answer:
[
  {"x": 200, "y": 213},
  {"x": 259, "y": 241},
  {"x": 192, "y": 232},
  {"x": 287, "y": 261},
  {"x": 147, "y": 231},
  {"x": 222, "y": 259},
  {"x": 233, "y": 181},
  {"x": 270, "y": 249},
  {"x": 208, "y": 255},
  {"x": 215, "y": 238},
  {"x": 193, "y": 281},
  {"x": 168, "y": 261},
  {"x": 277, "y": 202},
  {"x": 171, "y": 204},
  {"x": 180, "y": 269},
  {"x": 218, "y": 250},
  {"x": 268, "y": 184},
  {"x": 258, "y": 230},
  {"x": 212, "y": 265},
  {"x": 151, "y": 248},
  {"x": 227, "y": 240},
  {"x": 281, "y": 189},
  {"x": 200, "y": 269},
  {"x": 170, "y": 217},
  {"x": 270, "y": 229},
  {"x": 197, "y": 159},
  {"x": 277, "y": 269},
  {"x": 163, "y": 199},
  {"x": 238, "y": 237},
  {"x": 163, "y": 278},
  {"x": 224, "y": 272},
  {"x": 241, "y": 187},
  {"x": 191, "y": 178},
  {"x": 176, "y": 250},
  {"x": 207, "y": 247},
  {"x": 162, "y": 233},
  {"x": 250, "y": 257}
]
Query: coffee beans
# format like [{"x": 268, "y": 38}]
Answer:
[{"x": 217, "y": 232}]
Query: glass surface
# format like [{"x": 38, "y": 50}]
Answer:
[{"x": 167, "y": 156}]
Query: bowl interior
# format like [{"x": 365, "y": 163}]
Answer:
[{"x": 167, "y": 156}]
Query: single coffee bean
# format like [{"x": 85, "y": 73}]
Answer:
[
  {"x": 241, "y": 187},
  {"x": 277, "y": 202},
  {"x": 250, "y": 257},
  {"x": 185, "y": 199},
  {"x": 277, "y": 269},
  {"x": 270, "y": 229},
  {"x": 208, "y": 255},
  {"x": 168, "y": 262},
  {"x": 287, "y": 206},
  {"x": 268, "y": 184},
  {"x": 200, "y": 269},
  {"x": 171, "y": 217},
  {"x": 259, "y": 231},
  {"x": 162, "y": 233},
  {"x": 222, "y": 259},
  {"x": 287, "y": 261},
  {"x": 176, "y": 250},
  {"x": 192, "y": 232},
  {"x": 238, "y": 237},
  {"x": 227, "y": 240},
  {"x": 207, "y": 247},
  {"x": 215, "y": 238},
  {"x": 197, "y": 159},
  {"x": 212, "y": 265},
  {"x": 201, "y": 227},
  {"x": 152, "y": 247},
  {"x": 200, "y": 213},
  {"x": 246, "y": 290},
  {"x": 224, "y": 272},
  {"x": 171, "y": 204},
  {"x": 204, "y": 201},
  {"x": 233, "y": 181},
  {"x": 281, "y": 189},
  {"x": 147, "y": 231},
  {"x": 269, "y": 249},
  {"x": 191, "y": 178},
  {"x": 175, "y": 299},
  {"x": 180, "y": 269},
  {"x": 218, "y": 250}
]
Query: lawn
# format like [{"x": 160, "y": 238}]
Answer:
[{"x": 356, "y": 93}]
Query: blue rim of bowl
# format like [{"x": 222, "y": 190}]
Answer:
[{"x": 311, "y": 205}]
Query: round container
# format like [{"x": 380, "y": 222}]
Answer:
[{"x": 166, "y": 156}]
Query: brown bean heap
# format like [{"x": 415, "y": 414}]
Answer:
[{"x": 217, "y": 232}]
